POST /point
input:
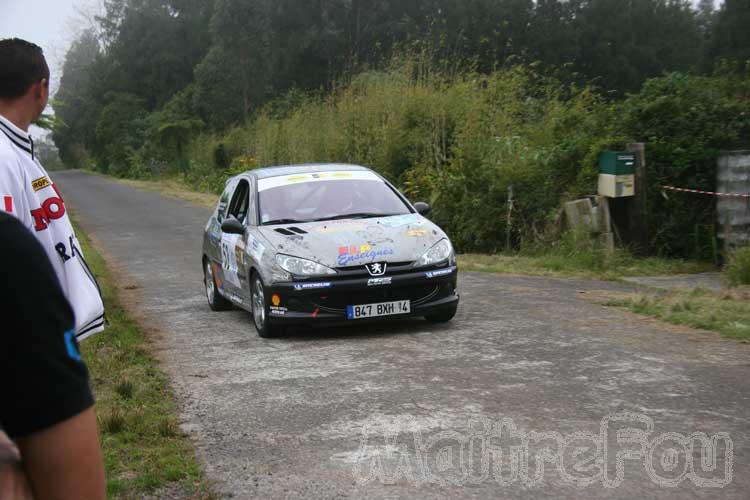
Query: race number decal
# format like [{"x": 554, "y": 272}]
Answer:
[{"x": 229, "y": 258}]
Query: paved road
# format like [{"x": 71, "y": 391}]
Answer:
[{"x": 411, "y": 410}]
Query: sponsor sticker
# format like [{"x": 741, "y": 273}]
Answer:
[
  {"x": 285, "y": 180},
  {"x": 435, "y": 274},
  {"x": 339, "y": 227},
  {"x": 278, "y": 311},
  {"x": 256, "y": 247},
  {"x": 378, "y": 281},
  {"x": 312, "y": 286},
  {"x": 40, "y": 183},
  {"x": 416, "y": 233},
  {"x": 229, "y": 264},
  {"x": 361, "y": 253}
]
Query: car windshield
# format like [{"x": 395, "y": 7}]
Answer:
[{"x": 326, "y": 196}]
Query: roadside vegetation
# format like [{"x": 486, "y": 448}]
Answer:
[
  {"x": 726, "y": 312},
  {"x": 738, "y": 269},
  {"x": 453, "y": 101},
  {"x": 145, "y": 452}
]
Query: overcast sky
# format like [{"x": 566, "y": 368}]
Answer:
[{"x": 51, "y": 24}]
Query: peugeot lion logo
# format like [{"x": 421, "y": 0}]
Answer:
[{"x": 376, "y": 268}]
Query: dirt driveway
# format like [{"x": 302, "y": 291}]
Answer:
[{"x": 528, "y": 393}]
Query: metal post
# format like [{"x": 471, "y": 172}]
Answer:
[
  {"x": 509, "y": 220},
  {"x": 638, "y": 210}
]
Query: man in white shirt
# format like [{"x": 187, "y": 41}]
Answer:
[{"x": 27, "y": 192}]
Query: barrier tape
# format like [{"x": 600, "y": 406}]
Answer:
[{"x": 711, "y": 193}]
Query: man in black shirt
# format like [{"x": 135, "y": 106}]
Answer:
[{"x": 46, "y": 405}]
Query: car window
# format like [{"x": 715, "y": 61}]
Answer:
[
  {"x": 325, "y": 195},
  {"x": 240, "y": 201},
  {"x": 224, "y": 201}
]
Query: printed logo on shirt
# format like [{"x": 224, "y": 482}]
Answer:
[
  {"x": 72, "y": 346},
  {"x": 40, "y": 183},
  {"x": 52, "y": 208},
  {"x": 8, "y": 204}
]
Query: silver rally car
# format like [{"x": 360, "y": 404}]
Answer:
[{"x": 321, "y": 244}]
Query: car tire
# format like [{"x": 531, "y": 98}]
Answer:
[
  {"x": 442, "y": 316},
  {"x": 260, "y": 309},
  {"x": 215, "y": 301}
]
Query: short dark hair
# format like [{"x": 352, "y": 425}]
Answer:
[{"x": 22, "y": 64}]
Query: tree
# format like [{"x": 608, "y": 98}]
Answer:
[
  {"x": 730, "y": 33},
  {"x": 233, "y": 78},
  {"x": 72, "y": 103},
  {"x": 621, "y": 43}
]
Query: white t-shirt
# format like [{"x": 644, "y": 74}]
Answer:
[{"x": 27, "y": 192}]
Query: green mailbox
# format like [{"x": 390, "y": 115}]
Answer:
[{"x": 616, "y": 174}]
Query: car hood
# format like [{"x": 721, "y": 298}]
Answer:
[{"x": 348, "y": 243}]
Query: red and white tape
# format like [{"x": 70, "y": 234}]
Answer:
[{"x": 711, "y": 193}]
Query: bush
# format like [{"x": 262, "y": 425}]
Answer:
[
  {"x": 684, "y": 120},
  {"x": 461, "y": 140},
  {"x": 457, "y": 142},
  {"x": 738, "y": 268}
]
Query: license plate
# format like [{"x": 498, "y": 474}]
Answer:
[{"x": 375, "y": 310}]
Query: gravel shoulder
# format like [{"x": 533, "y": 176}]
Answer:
[{"x": 314, "y": 413}]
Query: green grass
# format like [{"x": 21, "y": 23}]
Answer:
[
  {"x": 143, "y": 447},
  {"x": 621, "y": 264},
  {"x": 726, "y": 312},
  {"x": 738, "y": 269}
]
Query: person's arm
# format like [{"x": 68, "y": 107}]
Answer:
[
  {"x": 47, "y": 405},
  {"x": 70, "y": 453},
  {"x": 12, "y": 197},
  {"x": 13, "y": 483}
]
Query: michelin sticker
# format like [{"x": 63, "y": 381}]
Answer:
[
  {"x": 435, "y": 274},
  {"x": 312, "y": 286}
]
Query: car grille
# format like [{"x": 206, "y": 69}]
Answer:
[
  {"x": 392, "y": 269},
  {"x": 337, "y": 302}
]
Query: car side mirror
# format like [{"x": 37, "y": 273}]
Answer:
[
  {"x": 232, "y": 226},
  {"x": 422, "y": 208}
]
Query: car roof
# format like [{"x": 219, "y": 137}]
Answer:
[{"x": 307, "y": 168}]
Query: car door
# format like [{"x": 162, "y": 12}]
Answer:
[{"x": 232, "y": 246}]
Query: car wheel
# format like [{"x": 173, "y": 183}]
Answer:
[
  {"x": 442, "y": 316},
  {"x": 215, "y": 301},
  {"x": 260, "y": 310}
]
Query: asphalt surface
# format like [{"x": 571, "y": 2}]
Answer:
[{"x": 413, "y": 410}]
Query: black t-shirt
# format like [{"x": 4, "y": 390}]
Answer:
[{"x": 42, "y": 378}]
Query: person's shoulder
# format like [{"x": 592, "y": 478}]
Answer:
[{"x": 8, "y": 155}]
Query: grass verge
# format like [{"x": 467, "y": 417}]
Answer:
[
  {"x": 726, "y": 312},
  {"x": 144, "y": 449},
  {"x": 619, "y": 265}
]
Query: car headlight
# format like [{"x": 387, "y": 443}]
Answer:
[
  {"x": 302, "y": 267},
  {"x": 442, "y": 250}
]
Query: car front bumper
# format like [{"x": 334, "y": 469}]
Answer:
[{"x": 325, "y": 301}]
